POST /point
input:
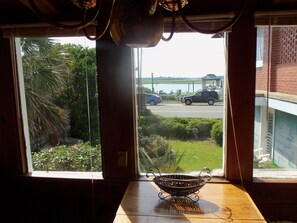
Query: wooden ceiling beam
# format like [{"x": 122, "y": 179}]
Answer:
[{"x": 49, "y": 7}]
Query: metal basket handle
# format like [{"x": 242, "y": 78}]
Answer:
[
  {"x": 207, "y": 173},
  {"x": 150, "y": 170}
]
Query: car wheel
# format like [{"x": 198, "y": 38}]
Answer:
[
  {"x": 152, "y": 102},
  {"x": 211, "y": 102},
  {"x": 188, "y": 102}
]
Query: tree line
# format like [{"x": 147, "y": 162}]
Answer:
[{"x": 61, "y": 91}]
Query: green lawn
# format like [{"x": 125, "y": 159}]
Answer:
[{"x": 198, "y": 154}]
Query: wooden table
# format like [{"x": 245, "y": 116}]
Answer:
[{"x": 218, "y": 202}]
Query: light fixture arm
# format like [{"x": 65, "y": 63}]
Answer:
[
  {"x": 172, "y": 29},
  {"x": 205, "y": 31},
  {"x": 144, "y": 28},
  {"x": 100, "y": 33},
  {"x": 81, "y": 25}
]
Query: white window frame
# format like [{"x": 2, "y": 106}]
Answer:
[
  {"x": 23, "y": 104},
  {"x": 260, "y": 47}
]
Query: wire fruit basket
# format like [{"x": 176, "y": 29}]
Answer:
[{"x": 180, "y": 185}]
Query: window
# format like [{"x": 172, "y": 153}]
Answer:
[
  {"x": 275, "y": 144},
  {"x": 58, "y": 88},
  {"x": 184, "y": 131},
  {"x": 260, "y": 47}
]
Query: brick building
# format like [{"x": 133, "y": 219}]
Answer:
[{"x": 276, "y": 95}]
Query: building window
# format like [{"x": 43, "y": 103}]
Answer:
[
  {"x": 275, "y": 144},
  {"x": 180, "y": 125},
  {"x": 260, "y": 47},
  {"x": 59, "y": 101}
]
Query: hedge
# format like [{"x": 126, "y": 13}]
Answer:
[{"x": 176, "y": 127}]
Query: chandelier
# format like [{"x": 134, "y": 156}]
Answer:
[{"x": 134, "y": 23}]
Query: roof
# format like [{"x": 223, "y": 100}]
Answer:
[{"x": 211, "y": 77}]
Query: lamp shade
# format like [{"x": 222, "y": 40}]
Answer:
[{"x": 132, "y": 26}]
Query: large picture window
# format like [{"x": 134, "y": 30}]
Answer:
[
  {"x": 180, "y": 88},
  {"x": 58, "y": 88},
  {"x": 275, "y": 147}
]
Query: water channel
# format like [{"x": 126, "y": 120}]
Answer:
[{"x": 174, "y": 88}]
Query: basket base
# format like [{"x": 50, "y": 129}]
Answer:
[{"x": 194, "y": 197}]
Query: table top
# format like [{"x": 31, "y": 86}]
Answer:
[{"x": 218, "y": 202}]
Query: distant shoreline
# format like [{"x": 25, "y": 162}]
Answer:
[{"x": 172, "y": 80}]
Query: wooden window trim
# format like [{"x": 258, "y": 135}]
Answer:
[
  {"x": 241, "y": 82},
  {"x": 118, "y": 129}
]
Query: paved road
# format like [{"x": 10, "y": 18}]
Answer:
[{"x": 197, "y": 110}]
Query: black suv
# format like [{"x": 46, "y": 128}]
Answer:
[{"x": 202, "y": 96}]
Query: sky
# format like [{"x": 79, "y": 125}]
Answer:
[
  {"x": 76, "y": 40},
  {"x": 185, "y": 55}
]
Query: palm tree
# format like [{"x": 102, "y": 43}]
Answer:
[{"x": 45, "y": 76}]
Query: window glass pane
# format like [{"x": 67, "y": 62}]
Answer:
[
  {"x": 275, "y": 141},
  {"x": 180, "y": 104},
  {"x": 58, "y": 87},
  {"x": 260, "y": 46}
]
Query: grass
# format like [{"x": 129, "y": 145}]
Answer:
[
  {"x": 268, "y": 165},
  {"x": 198, "y": 154}
]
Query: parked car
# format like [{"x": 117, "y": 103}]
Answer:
[
  {"x": 202, "y": 96},
  {"x": 153, "y": 99}
]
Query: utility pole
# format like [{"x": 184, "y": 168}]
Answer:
[{"x": 152, "y": 82}]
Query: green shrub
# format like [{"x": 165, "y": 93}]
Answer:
[
  {"x": 148, "y": 124},
  {"x": 217, "y": 132},
  {"x": 162, "y": 129},
  {"x": 178, "y": 131},
  {"x": 154, "y": 145},
  {"x": 170, "y": 128},
  {"x": 176, "y": 127},
  {"x": 156, "y": 151},
  {"x": 200, "y": 127},
  {"x": 79, "y": 157}
]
